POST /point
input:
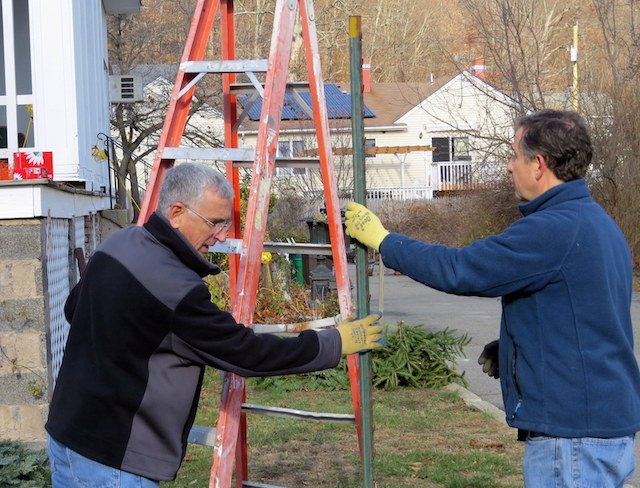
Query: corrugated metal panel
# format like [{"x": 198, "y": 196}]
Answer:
[{"x": 338, "y": 105}]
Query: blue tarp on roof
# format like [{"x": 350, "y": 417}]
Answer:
[{"x": 338, "y": 105}]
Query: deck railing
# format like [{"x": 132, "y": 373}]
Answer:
[
  {"x": 449, "y": 176},
  {"x": 454, "y": 175}
]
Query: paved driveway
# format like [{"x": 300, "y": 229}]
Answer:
[{"x": 414, "y": 303}]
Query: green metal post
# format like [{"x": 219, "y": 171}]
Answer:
[{"x": 362, "y": 280}]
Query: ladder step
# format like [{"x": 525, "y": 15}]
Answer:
[
  {"x": 209, "y": 153},
  {"x": 251, "y": 484},
  {"x": 292, "y": 413},
  {"x": 249, "y": 88},
  {"x": 225, "y": 66},
  {"x": 201, "y": 435},
  {"x": 296, "y": 327},
  {"x": 234, "y": 246},
  {"x": 242, "y": 157},
  {"x": 206, "y": 436},
  {"x": 285, "y": 163}
]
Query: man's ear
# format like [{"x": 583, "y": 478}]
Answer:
[
  {"x": 542, "y": 168},
  {"x": 176, "y": 214}
]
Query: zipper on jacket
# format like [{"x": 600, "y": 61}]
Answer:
[{"x": 515, "y": 382}]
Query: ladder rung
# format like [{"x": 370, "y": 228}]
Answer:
[
  {"x": 298, "y": 248},
  {"x": 292, "y": 413},
  {"x": 285, "y": 163},
  {"x": 209, "y": 153},
  {"x": 234, "y": 246},
  {"x": 296, "y": 327},
  {"x": 225, "y": 66},
  {"x": 241, "y": 157},
  {"x": 248, "y": 88},
  {"x": 251, "y": 484},
  {"x": 201, "y": 435}
]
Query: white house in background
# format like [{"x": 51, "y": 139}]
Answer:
[
  {"x": 54, "y": 98},
  {"x": 460, "y": 117},
  {"x": 464, "y": 119}
]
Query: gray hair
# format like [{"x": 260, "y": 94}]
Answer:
[{"x": 187, "y": 182}]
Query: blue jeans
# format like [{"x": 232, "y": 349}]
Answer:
[
  {"x": 69, "y": 470},
  {"x": 588, "y": 462}
]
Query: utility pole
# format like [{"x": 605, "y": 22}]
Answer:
[{"x": 574, "y": 61}]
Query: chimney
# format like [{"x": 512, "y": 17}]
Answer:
[
  {"x": 478, "y": 69},
  {"x": 366, "y": 76}
]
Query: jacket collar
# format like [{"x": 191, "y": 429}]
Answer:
[
  {"x": 571, "y": 190},
  {"x": 159, "y": 227}
]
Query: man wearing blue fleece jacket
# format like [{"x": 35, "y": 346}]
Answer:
[{"x": 570, "y": 381}]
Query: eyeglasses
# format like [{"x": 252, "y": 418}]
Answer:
[{"x": 216, "y": 227}]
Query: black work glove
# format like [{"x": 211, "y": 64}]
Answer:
[{"x": 489, "y": 359}]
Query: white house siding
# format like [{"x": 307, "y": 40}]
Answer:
[
  {"x": 401, "y": 170},
  {"x": 69, "y": 59},
  {"x": 92, "y": 89}
]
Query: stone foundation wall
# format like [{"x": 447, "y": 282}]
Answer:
[
  {"x": 37, "y": 269},
  {"x": 24, "y": 375}
]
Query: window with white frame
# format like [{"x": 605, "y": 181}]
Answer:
[
  {"x": 290, "y": 150},
  {"x": 16, "y": 90}
]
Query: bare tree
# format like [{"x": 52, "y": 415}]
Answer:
[
  {"x": 403, "y": 38},
  {"x": 137, "y": 129},
  {"x": 611, "y": 101},
  {"x": 133, "y": 40},
  {"x": 524, "y": 44}
]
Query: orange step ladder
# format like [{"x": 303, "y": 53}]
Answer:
[{"x": 229, "y": 438}]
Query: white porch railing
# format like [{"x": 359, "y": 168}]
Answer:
[
  {"x": 406, "y": 193},
  {"x": 377, "y": 197},
  {"x": 453, "y": 175},
  {"x": 445, "y": 176}
]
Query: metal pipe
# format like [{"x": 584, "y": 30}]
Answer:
[{"x": 362, "y": 280}]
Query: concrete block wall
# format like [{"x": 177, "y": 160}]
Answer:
[
  {"x": 27, "y": 308},
  {"x": 24, "y": 375}
]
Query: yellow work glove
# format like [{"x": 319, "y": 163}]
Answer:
[
  {"x": 360, "y": 334},
  {"x": 363, "y": 225}
]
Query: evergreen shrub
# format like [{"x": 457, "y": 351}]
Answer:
[
  {"x": 23, "y": 467},
  {"x": 412, "y": 357}
]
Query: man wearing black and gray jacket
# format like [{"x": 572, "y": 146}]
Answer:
[{"x": 143, "y": 328}]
